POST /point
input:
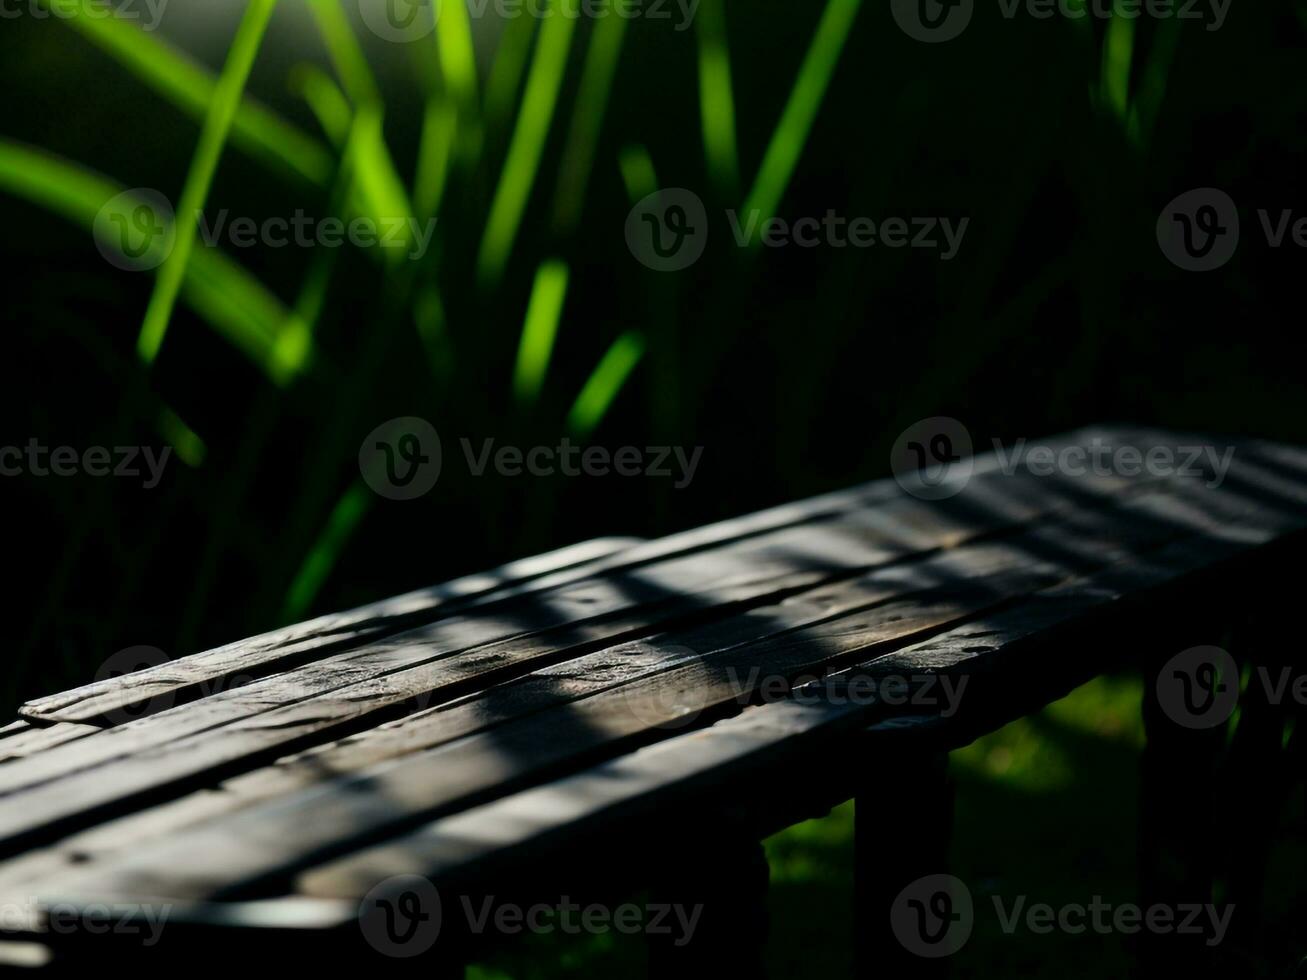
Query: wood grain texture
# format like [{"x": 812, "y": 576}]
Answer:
[
  {"x": 514, "y": 717},
  {"x": 216, "y": 668},
  {"x": 304, "y": 642},
  {"x": 228, "y": 854}
]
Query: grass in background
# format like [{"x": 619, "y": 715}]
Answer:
[{"x": 220, "y": 115}]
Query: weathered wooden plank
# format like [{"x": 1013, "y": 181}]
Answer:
[
  {"x": 260, "y": 655},
  {"x": 1241, "y": 535},
  {"x": 346, "y": 687},
  {"x": 93, "y": 702},
  {"x": 241, "y": 849},
  {"x": 753, "y": 748},
  {"x": 380, "y": 675},
  {"x": 572, "y": 680},
  {"x": 555, "y": 686},
  {"x": 1079, "y": 541},
  {"x": 30, "y": 740}
]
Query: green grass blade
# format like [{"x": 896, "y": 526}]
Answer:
[
  {"x": 1152, "y": 84},
  {"x": 189, "y": 86},
  {"x": 224, "y": 295},
  {"x": 605, "y": 384},
  {"x": 800, "y": 113},
  {"x": 435, "y": 151},
  {"x": 507, "y": 69},
  {"x": 522, "y": 166},
  {"x": 543, "y": 314},
  {"x": 248, "y": 314},
  {"x": 587, "y": 121},
  {"x": 213, "y": 136},
  {"x": 186, "y": 441},
  {"x": 458, "y": 63},
  {"x": 429, "y": 318},
  {"x": 345, "y": 52},
  {"x": 379, "y": 184},
  {"x": 322, "y": 557},
  {"x": 638, "y": 173},
  {"x": 1118, "y": 54},
  {"x": 717, "y": 98},
  {"x": 325, "y": 100}
]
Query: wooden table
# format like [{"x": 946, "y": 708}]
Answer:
[{"x": 620, "y": 714}]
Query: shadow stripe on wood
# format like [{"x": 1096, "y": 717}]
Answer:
[
  {"x": 755, "y": 748},
  {"x": 479, "y": 645},
  {"x": 1146, "y": 503},
  {"x": 257, "y": 656},
  {"x": 91, "y": 703},
  {"x": 234, "y": 853}
]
